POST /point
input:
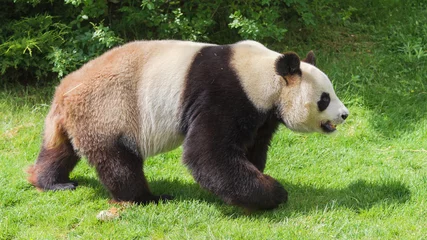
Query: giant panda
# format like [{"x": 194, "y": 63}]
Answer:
[{"x": 222, "y": 102}]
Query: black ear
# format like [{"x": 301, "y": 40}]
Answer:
[
  {"x": 288, "y": 65},
  {"x": 310, "y": 58}
]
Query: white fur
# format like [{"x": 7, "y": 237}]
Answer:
[
  {"x": 298, "y": 104},
  {"x": 159, "y": 90},
  {"x": 255, "y": 66}
]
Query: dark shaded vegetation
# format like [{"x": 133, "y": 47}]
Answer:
[{"x": 41, "y": 40}]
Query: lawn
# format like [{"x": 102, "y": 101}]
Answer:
[{"x": 367, "y": 181}]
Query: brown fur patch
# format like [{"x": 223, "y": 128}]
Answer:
[
  {"x": 32, "y": 175},
  {"x": 54, "y": 134},
  {"x": 293, "y": 80}
]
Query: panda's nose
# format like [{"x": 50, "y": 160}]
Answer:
[{"x": 344, "y": 116}]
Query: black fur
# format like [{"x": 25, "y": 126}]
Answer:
[
  {"x": 257, "y": 153},
  {"x": 288, "y": 64},
  {"x": 324, "y": 101},
  {"x": 226, "y": 136},
  {"x": 120, "y": 170},
  {"x": 53, "y": 167}
]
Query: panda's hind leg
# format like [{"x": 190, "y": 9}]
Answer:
[
  {"x": 53, "y": 166},
  {"x": 120, "y": 169}
]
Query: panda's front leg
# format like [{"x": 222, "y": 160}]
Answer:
[
  {"x": 219, "y": 164},
  {"x": 257, "y": 152}
]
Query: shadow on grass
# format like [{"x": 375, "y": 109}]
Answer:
[
  {"x": 303, "y": 199},
  {"x": 357, "y": 196},
  {"x": 396, "y": 113},
  {"x": 179, "y": 190},
  {"x": 99, "y": 190}
]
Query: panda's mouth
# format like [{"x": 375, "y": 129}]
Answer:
[{"x": 328, "y": 127}]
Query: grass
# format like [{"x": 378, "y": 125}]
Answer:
[{"x": 369, "y": 181}]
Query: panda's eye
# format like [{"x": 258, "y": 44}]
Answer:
[{"x": 323, "y": 103}]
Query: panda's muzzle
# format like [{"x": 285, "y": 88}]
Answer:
[{"x": 328, "y": 127}]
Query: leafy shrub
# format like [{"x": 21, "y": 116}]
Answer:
[
  {"x": 53, "y": 40},
  {"x": 58, "y": 36},
  {"x": 29, "y": 42}
]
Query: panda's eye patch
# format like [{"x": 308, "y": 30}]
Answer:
[{"x": 323, "y": 103}]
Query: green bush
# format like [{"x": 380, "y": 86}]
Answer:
[
  {"x": 52, "y": 40},
  {"x": 55, "y": 37}
]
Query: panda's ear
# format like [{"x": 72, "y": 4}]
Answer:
[
  {"x": 310, "y": 58},
  {"x": 288, "y": 65}
]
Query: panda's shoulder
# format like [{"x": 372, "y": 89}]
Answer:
[
  {"x": 253, "y": 49},
  {"x": 250, "y": 43}
]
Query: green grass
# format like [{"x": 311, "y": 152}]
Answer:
[{"x": 368, "y": 181}]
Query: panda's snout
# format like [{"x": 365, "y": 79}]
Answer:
[{"x": 344, "y": 116}]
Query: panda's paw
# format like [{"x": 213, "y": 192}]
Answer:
[
  {"x": 276, "y": 195},
  {"x": 62, "y": 186},
  {"x": 280, "y": 196},
  {"x": 154, "y": 199},
  {"x": 272, "y": 195},
  {"x": 266, "y": 193}
]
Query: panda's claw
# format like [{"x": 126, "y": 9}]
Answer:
[
  {"x": 155, "y": 199},
  {"x": 63, "y": 186}
]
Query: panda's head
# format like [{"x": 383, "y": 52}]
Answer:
[{"x": 307, "y": 101}]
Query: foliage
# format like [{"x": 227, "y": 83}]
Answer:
[
  {"x": 78, "y": 49},
  {"x": 58, "y": 36},
  {"x": 30, "y": 40}
]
